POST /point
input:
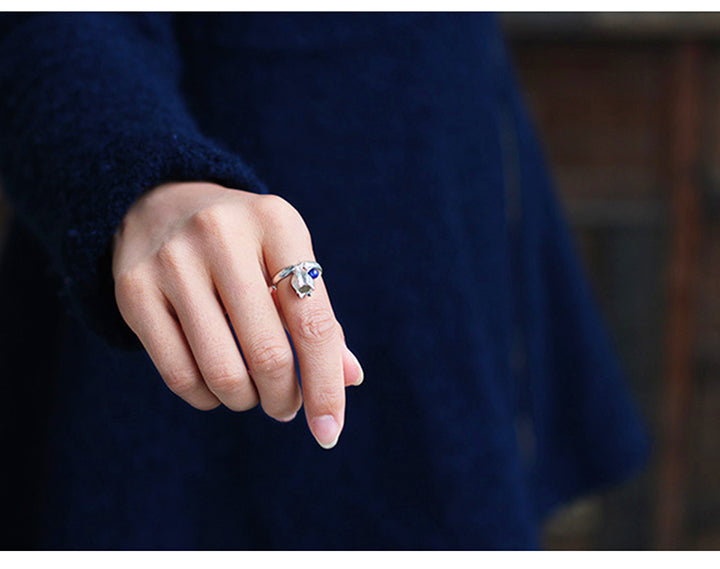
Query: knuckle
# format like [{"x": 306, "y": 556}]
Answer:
[
  {"x": 245, "y": 403},
  {"x": 318, "y": 325},
  {"x": 279, "y": 213},
  {"x": 182, "y": 382},
  {"x": 213, "y": 227},
  {"x": 270, "y": 359},
  {"x": 173, "y": 254},
  {"x": 274, "y": 204},
  {"x": 205, "y": 405},
  {"x": 212, "y": 219},
  {"x": 131, "y": 283},
  {"x": 132, "y": 290},
  {"x": 222, "y": 378},
  {"x": 281, "y": 413}
]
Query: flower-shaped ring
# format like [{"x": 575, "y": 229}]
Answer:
[{"x": 303, "y": 277}]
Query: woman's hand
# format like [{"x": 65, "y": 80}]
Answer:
[{"x": 188, "y": 254}]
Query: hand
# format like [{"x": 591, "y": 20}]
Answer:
[{"x": 189, "y": 255}]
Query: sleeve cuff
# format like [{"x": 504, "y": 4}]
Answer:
[{"x": 86, "y": 247}]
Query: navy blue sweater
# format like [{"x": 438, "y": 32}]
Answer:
[{"x": 492, "y": 393}]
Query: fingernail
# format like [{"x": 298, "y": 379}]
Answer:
[
  {"x": 326, "y": 431},
  {"x": 288, "y": 418},
  {"x": 362, "y": 373}
]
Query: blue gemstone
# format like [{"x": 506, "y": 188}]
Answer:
[{"x": 314, "y": 273}]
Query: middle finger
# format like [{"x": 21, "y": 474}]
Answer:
[{"x": 259, "y": 329}]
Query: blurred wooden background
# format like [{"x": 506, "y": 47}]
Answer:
[{"x": 628, "y": 106}]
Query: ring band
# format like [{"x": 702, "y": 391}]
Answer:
[{"x": 303, "y": 277}]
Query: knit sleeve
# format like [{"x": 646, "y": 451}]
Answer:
[{"x": 91, "y": 116}]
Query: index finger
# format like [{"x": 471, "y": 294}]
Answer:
[{"x": 317, "y": 338}]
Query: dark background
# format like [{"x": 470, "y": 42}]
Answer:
[{"x": 628, "y": 107}]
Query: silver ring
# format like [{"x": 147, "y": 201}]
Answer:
[{"x": 303, "y": 277}]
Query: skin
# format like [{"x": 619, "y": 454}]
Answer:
[{"x": 190, "y": 256}]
